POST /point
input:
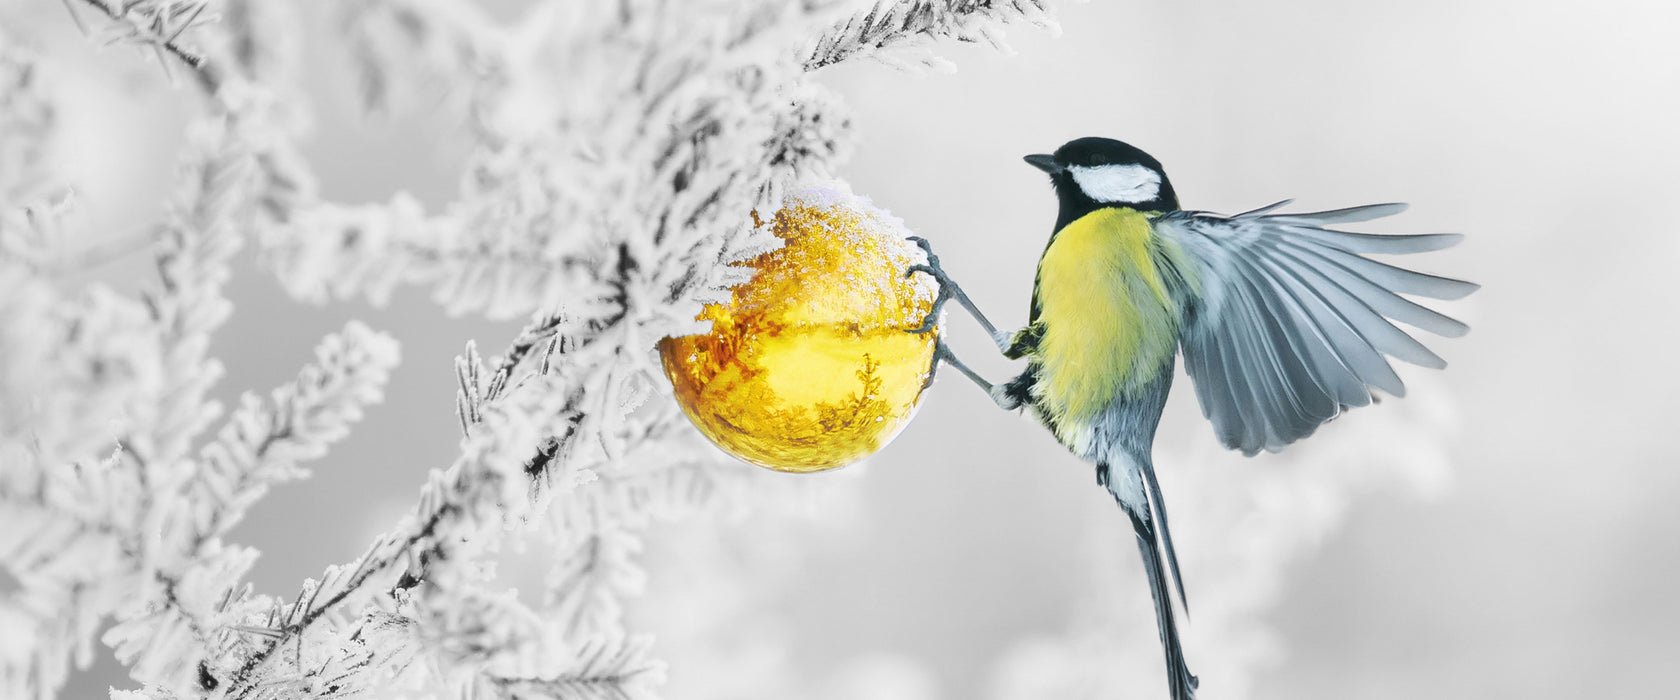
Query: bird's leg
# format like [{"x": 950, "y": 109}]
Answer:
[
  {"x": 948, "y": 290},
  {"x": 942, "y": 353}
]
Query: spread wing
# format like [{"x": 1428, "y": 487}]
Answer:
[{"x": 1291, "y": 322}]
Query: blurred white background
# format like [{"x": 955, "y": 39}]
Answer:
[{"x": 1542, "y": 568}]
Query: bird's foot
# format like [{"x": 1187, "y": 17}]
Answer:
[
  {"x": 1001, "y": 396},
  {"x": 941, "y": 353},
  {"x": 947, "y": 288}
]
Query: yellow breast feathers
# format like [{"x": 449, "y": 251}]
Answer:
[{"x": 1108, "y": 321}]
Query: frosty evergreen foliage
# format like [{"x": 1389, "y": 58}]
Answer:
[{"x": 620, "y": 149}]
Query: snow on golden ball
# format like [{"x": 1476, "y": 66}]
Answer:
[{"x": 808, "y": 367}]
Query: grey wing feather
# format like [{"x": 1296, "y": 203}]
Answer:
[
  {"x": 1274, "y": 206},
  {"x": 1291, "y": 323},
  {"x": 1350, "y": 215}
]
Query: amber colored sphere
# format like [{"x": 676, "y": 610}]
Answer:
[{"x": 808, "y": 367}]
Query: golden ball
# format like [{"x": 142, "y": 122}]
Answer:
[{"x": 808, "y": 367}]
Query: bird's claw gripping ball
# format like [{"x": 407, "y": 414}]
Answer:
[
  {"x": 931, "y": 269},
  {"x": 808, "y": 366}
]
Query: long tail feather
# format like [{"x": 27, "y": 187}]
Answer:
[
  {"x": 1180, "y": 682},
  {"x": 1158, "y": 506}
]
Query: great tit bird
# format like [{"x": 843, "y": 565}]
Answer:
[{"x": 1282, "y": 322}]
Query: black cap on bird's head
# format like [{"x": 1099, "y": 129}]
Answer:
[{"x": 1093, "y": 172}]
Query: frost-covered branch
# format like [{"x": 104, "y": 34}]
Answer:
[
  {"x": 137, "y": 536},
  {"x": 265, "y": 442},
  {"x": 601, "y": 671},
  {"x": 901, "y": 33},
  {"x": 156, "y": 24},
  {"x": 621, "y": 152},
  {"x": 713, "y": 113}
]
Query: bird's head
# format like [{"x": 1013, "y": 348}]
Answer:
[{"x": 1093, "y": 172}]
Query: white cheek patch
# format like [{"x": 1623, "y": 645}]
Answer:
[{"x": 1118, "y": 183}]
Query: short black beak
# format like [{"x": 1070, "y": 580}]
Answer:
[{"x": 1044, "y": 162}]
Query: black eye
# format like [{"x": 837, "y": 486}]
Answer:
[{"x": 1098, "y": 159}]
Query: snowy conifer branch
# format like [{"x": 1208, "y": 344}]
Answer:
[
  {"x": 157, "y": 24},
  {"x": 264, "y": 442},
  {"x": 618, "y": 670},
  {"x": 908, "y": 25},
  {"x": 622, "y": 153},
  {"x": 667, "y": 155},
  {"x": 137, "y": 536},
  {"x": 89, "y": 541}
]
